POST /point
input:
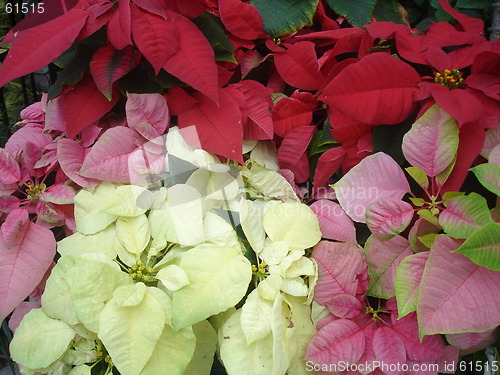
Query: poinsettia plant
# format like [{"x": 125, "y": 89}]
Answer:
[{"x": 172, "y": 163}]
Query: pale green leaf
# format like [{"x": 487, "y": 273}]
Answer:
[
  {"x": 280, "y": 315},
  {"x": 40, "y": 340},
  {"x": 173, "y": 277},
  {"x": 301, "y": 267},
  {"x": 218, "y": 184},
  {"x": 129, "y": 200},
  {"x": 419, "y": 176},
  {"x": 483, "y": 247},
  {"x": 270, "y": 287},
  {"x": 298, "y": 334},
  {"x": 100, "y": 242},
  {"x": 130, "y": 333},
  {"x": 251, "y": 223},
  {"x": 92, "y": 281},
  {"x": 89, "y": 216},
  {"x": 238, "y": 357},
  {"x": 256, "y": 315},
  {"x": 282, "y": 17},
  {"x": 129, "y": 295},
  {"x": 273, "y": 253},
  {"x": 56, "y": 299},
  {"x": 294, "y": 223},
  {"x": 133, "y": 232},
  {"x": 206, "y": 343},
  {"x": 219, "y": 232},
  {"x": 271, "y": 184},
  {"x": 219, "y": 278},
  {"x": 172, "y": 353},
  {"x": 295, "y": 287},
  {"x": 489, "y": 176},
  {"x": 81, "y": 370}
]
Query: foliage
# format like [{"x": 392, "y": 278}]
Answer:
[{"x": 153, "y": 162}]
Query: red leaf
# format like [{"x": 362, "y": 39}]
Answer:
[
  {"x": 179, "y": 100},
  {"x": 469, "y": 146},
  {"x": 194, "y": 61},
  {"x": 241, "y": 19},
  {"x": 289, "y": 113},
  {"x": 36, "y": 47},
  {"x": 292, "y": 150},
  {"x": 218, "y": 127},
  {"x": 150, "y": 108},
  {"x": 10, "y": 172},
  {"x": 151, "y": 6},
  {"x": 24, "y": 262},
  {"x": 389, "y": 348},
  {"x": 328, "y": 163},
  {"x": 190, "y": 9},
  {"x": 99, "y": 16},
  {"x": 119, "y": 27},
  {"x": 470, "y": 24},
  {"x": 376, "y": 90},
  {"x": 108, "y": 64},
  {"x": 298, "y": 66},
  {"x": 258, "y": 104},
  {"x": 83, "y": 105},
  {"x": 157, "y": 38}
]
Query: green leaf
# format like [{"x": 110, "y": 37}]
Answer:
[
  {"x": 206, "y": 343},
  {"x": 39, "y": 340},
  {"x": 389, "y": 10},
  {"x": 283, "y": 17},
  {"x": 294, "y": 223},
  {"x": 464, "y": 215},
  {"x": 130, "y": 333},
  {"x": 419, "y": 176},
  {"x": 322, "y": 140},
  {"x": 419, "y": 202},
  {"x": 429, "y": 216},
  {"x": 489, "y": 176},
  {"x": 483, "y": 247},
  {"x": 219, "y": 278},
  {"x": 428, "y": 239},
  {"x": 213, "y": 29},
  {"x": 357, "y": 12},
  {"x": 172, "y": 353}
]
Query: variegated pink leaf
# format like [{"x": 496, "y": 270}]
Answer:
[
  {"x": 342, "y": 270},
  {"x": 388, "y": 217},
  {"x": 407, "y": 282},
  {"x": 70, "y": 155},
  {"x": 473, "y": 341},
  {"x": 24, "y": 262},
  {"x": 333, "y": 221},
  {"x": 389, "y": 349},
  {"x": 345, "y": 306},
  {"x": 9, "y": 169},
  {"x": 382, "y": 259},
  {"x": 149, "y": 108},
  {"x": 432, "y": 142},
  {"x": 108, "y": 158},
  {"x": 464, "y": 215},
  {"x": 339, "y": 341},
  {"x": 377, "y": 176},
  {"x": 58, "y": 194},
  {"x": 456, "y": 295}
]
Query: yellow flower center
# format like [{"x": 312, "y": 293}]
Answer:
[
  {"x": 450, "y": 79},
  {"x": 33, "y": 191}
]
